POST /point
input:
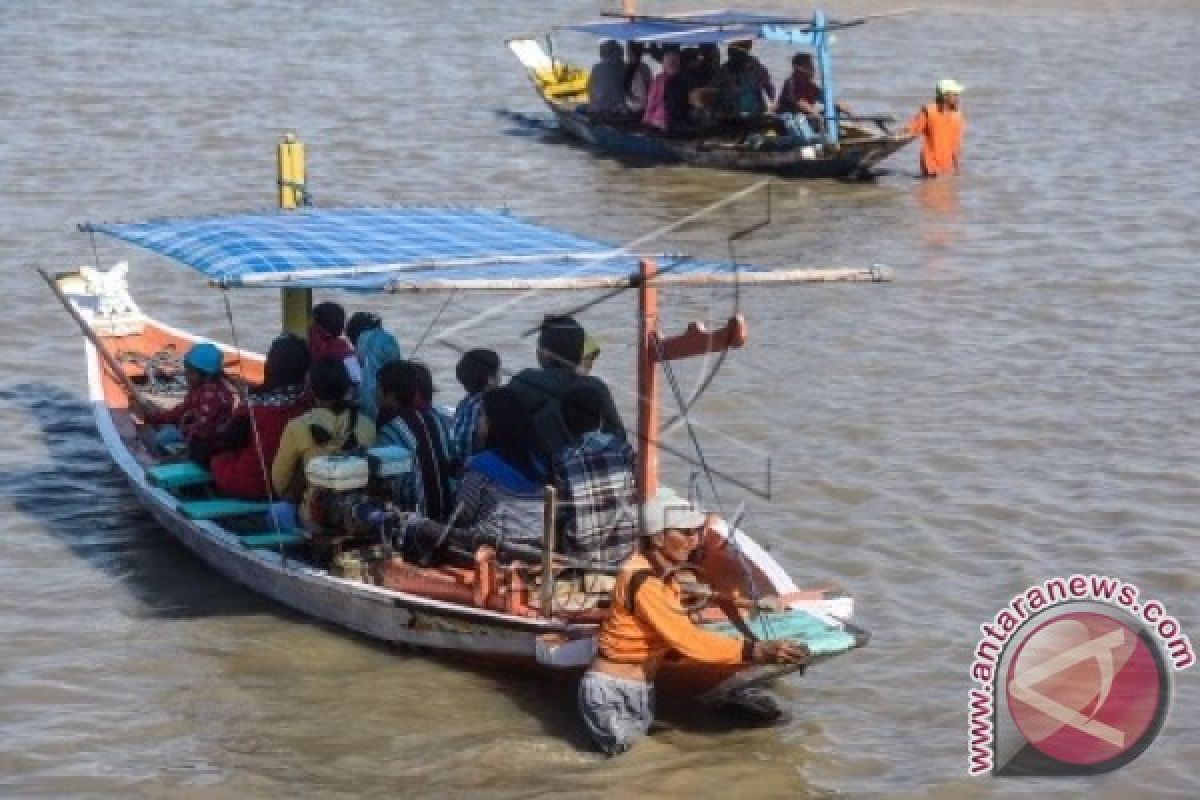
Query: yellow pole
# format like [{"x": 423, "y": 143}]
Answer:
[{"x": 296, "y": 304}]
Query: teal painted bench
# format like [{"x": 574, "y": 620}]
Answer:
[
  {"x": 217, "y": 509},
  {"x": 262, "y": 541},
  {"x": 179, "y": 475}
]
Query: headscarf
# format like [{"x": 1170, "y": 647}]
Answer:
[{"x": 376, "y": 347}]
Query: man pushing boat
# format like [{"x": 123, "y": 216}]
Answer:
[
  {"x": 940, "y": 125},
  {"x": 648, "y": 620}
]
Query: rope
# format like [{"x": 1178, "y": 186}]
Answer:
[
  {"x": 433, "y": 322},
  {"x": 262, "y": 459},
  {"x": 685, "y": 416}
]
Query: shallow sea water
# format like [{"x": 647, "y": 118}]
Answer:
[{"x": 1020, "y": 403}]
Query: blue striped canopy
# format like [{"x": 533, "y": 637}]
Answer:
[
  {"x": 374, "y": 249},
  {"x": 703, "y": 27}
]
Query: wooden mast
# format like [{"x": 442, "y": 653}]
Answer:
[
  {"x": 296, "y": 304},
  {"x": 647, "y": 383},
  {"x": 651, "y": 351}
]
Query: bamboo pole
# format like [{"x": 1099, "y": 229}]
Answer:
[
  {"x": 295, "y": 304},
  {"x": 677, "y": 279},
  {"x": 563, "y": 257},
  {"x": 115, "y": 366},
  {"x": 549, "y": 511}
]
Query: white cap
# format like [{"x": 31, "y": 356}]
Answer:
[
  {"x": 668, "y": 510},
  {"x": 948, "y": 86}
]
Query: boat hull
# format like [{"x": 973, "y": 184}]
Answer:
[
  {"x": 398, "y": 617},
  {"x": 853, "y": 159}
]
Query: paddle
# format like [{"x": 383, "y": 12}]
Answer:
[{"x": 109, "y": 359}]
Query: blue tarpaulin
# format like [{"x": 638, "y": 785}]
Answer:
[
  {"x": 667, "y": 33},
  {"x": 374, "y": 249},
  {"x": 707, "y": 27}
]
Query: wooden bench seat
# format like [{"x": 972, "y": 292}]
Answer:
[
  {"x": 262, "y": 541},
  {"x": 179, "y": 475},
  {"x": 220, "y": 508}
]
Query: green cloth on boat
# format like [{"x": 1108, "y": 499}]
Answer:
[
  {"x": 177, "y": 475},
  {"x": 821, "y": 638},
  {"x": 216, "y": 509},
  {"x": 260, "y": 541}
]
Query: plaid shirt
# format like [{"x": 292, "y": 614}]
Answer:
[
  {"x": 465, "y": 425},
  {"x": 597, "y": 513}
]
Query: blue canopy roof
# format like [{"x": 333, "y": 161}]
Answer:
[
  {"x": 374, "y": 249},
  {"x": 704, "y": 27}
]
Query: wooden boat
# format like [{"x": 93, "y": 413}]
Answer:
[
  {"x": 490, "y": 611},
  {"x": 849, "y": 148}
]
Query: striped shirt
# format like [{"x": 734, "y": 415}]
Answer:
[
  {"x": 465, "y": 426},
  {"x": 408, "y": 490}
]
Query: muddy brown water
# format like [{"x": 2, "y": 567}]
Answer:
[{"x": 1020, "y": 403}]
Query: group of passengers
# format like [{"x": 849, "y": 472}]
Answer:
[
  {"x": 694, "y": 91},
  {"x": 476, "y": 476}
]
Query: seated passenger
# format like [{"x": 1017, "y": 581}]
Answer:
[
  {"x": 333, "y": 426},
  {"x": 559, "y": 351},
  {"x": 407, "y": 419},
  {"x": 477, "y": 371},
  {"x": 745, "y": 81},
  {"x": 657, "y": 114},
  {"x": 250, "y": 443},
  {"x": 677, "y": 92},
  {"x": 606, "y": 83},
  {"x": 501, "y": 496},
  {"x": 597, "y": 511},
  {"x": 206, "y": 410},
  {"x": 373, "y": 347},
  {"x": 638, "y": 77},
  {"x": 325, "y": 339},
  {"x": 801, "y": 96},
  {"x": 710, "y": 64}
]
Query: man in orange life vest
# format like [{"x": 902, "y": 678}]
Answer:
[
  {"x": 616, "y": 696},
  {"x": 940, "y": 126}
]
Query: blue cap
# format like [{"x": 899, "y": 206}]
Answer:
[{"x": 204, "y": 357}]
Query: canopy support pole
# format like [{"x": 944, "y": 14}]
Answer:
[
  {"x": 820, "y": 34},
  {"x": 647, "y": 463},
  {"x": 295, "y": 304},
  {"x": 653, "y": 350}
]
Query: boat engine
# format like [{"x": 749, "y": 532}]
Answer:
[{"x": 354, "y": 495}]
